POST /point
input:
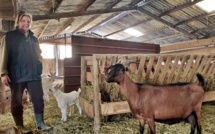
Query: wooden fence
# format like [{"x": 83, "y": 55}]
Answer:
[{"x": 152, "y": 68}]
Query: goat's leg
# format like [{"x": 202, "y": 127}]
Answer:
[
  {"x": 151, "y": 124},
  {"x": 63, "y": 112},
  {"x": 79, "y": 107},
  {"x": 198, "y": 116},
  {"x": 192, "y": 120},
  {"x": 142, "y": 124},
  {"x": 199, "y": 130}
]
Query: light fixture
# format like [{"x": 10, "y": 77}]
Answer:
[
  {"x": 133, "y": 32},
  {"x": 207, "y": 5}
]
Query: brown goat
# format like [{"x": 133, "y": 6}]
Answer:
[{"x": 168, "y": 104}]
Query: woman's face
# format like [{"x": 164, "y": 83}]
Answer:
[{"x": 24, "y": 24}]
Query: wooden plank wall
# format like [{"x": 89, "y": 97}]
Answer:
[
  {"x": 83, "y": 46},
  {"x": 201, "y": 46}
]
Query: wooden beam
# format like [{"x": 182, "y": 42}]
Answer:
[
  {"x": 138, "y": 23},
  {"x": 113, "y": 4},
  {"x": 204, "y": 29},
  {"x": 57, "y": 41},
  {"x": 193, "y": 51},
  {"x": 88, "y": 5},
  {"x": 118, "y": 16},
  {"x": 64, "y": 26},
  {"x": 15, "y": 7},
  {"x": 188, "y": 44},
  {"x": 143, "y": 3},
  {"x": 44, "y": 29},
  {"x": 80, "y": 13},
  {"x": 195, "y": 18},
  {"x": 102, "y": 22},
  {"x": 188, "y": 4},
  {"x": 53, "y": 10},
  {"x": 166, "y": 23},
  {"x": 87, "y": 22},
  {"x": 96, "y": 16},
  {"x": 133, "y": 3}
]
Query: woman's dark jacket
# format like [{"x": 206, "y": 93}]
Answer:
[{"x": 23, "y": 57}]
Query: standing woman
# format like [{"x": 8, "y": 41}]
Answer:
[{"x": 20, "y": 68}]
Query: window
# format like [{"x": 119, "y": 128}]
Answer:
[
  {"x": 65, "y": 51},
  {"x": 47, "y": 51}
]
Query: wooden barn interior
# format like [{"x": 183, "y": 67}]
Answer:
[{"x": 74, "y": 34}]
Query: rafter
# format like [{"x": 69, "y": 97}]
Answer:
[
  {"x": 204, "y": 29},
  {"x": 165, "y": 22},
  {"x": 96, "y": 16},
  {"x": 44, "y": 29},
  {"x": 163, "y": 38},
  {"x": 80, "y": 13},
  {"x": 88, "y": 5},
  {"x": 84, "y": 24},
  {"x": 118, "y": 16},
  {"x": 15, "y": 7},
  {"x": 64, "y": 26},
  {"x": 53, "y": 10},
  {"x": 138, "y": 23},
  {"x": 188, "y": 4},
  {"x": 94, "y": 27},
  {"x": 133, "y": 3},
  {"x": 195, "y": 18},
  {"x": 113, "y": 4}
]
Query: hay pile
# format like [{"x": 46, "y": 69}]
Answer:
[{"x": 118, "y": 124}]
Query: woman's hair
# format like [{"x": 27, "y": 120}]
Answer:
[{"x": 21, "y": 14}]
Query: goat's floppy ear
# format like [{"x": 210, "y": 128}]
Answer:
[{"x": 57, "y": 86}]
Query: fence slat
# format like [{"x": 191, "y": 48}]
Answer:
[
  {"x": 140, "y": 70},
  {"x": 172, "y": 71},
  {"x": 163, "y": 74},
  {"x": 149, "y": 67},
  {"x": 180, "y": 69},
  {"x": 186, "y": 70},
  {"x": 193, "y": 70},
  {"x": 157, "y": 69}
]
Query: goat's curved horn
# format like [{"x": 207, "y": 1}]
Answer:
[{"x": 128, "y": 62}]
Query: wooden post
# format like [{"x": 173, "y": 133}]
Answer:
[
  {"x": 2, "y": 98},
  {"x": 96, "y": 94},
  {"x": 83, "y": 72}
]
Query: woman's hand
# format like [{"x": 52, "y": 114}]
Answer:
[{"x": 5, "y": 80}]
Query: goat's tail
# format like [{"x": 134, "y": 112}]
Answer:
[
  {"x": 201, "y": 81},
  {"x": 79, "y": 90}
]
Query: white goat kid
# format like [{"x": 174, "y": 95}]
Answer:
[
  {"x": 66, "y": 99},
  {"x": 47, "y": 82}
]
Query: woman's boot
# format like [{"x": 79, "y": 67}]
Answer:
[{"x": 40, "y": 123}]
